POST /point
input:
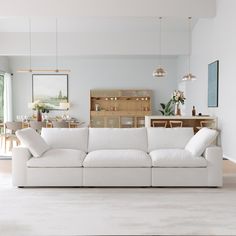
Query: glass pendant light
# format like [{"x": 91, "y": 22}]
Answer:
[
  {"x": 160, "y": 71},
  {"x": 189, "y": 76}
]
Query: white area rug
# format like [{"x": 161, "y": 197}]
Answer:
[{"x": 117, "y": 211}]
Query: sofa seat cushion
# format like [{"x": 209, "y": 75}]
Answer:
[
  {"x": 176, "y": 158},
  {"x": 117, "y": 158},
  {"x": 58, "y": 158}
]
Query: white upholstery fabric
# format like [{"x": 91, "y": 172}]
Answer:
[
  {"x": 20, "y": 156},
  {"x": 117, "y": 158},
  {"x": 58, "y": 158},
  {"x": 163, "y": 138},
  {"x": 121, "y": 167},
  {"x": 112, "y": 138},
  {"x": 76, "y": 138},
  {"x": 117, "y": 177},
  {"x": 201, "y": 140},
  {"x": 176, "y": 158},
  {"x": 54, "y": 177},
  {"x": 214, "y": 157},
  {"x": 33, "y": 141},
  {"x": 177, "y": 177}
]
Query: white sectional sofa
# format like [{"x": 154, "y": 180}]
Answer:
[{"x": 141, "y": 157}]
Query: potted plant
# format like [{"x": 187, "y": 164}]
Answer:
[{"x": 167, "y": 109}]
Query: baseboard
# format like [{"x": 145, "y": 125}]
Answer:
[
  {"x": 5, "y": 157},
  {"x": 228, "y": 158}
]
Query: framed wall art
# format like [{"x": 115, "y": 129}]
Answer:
[
  {"x": 51, "y": 89},
  {"x": 213, "y": 84}
]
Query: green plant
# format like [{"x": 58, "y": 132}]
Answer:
[{"x": 167, "y": 109}]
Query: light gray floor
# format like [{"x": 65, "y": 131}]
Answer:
[{"x": 96, "y": 211}]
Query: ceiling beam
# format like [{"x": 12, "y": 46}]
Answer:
[{"x": 109, "y": 8}]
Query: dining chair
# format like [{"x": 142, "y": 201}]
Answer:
[
  {"x": 37, "y": 125},
  {"x": 209, "y": 124},
  {"x": 10, "y": 133},
  {"x": 159, "y": 124},
  {"x": 60, "y": 124},
  {"x": 176, "y": 123}
]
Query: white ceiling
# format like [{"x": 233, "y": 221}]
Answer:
[
  {"x": 109, "y": 8},
  {"x": 99, "y": 27},
  {"x": 93, "y": 24}
]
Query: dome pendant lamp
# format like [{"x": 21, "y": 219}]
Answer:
[
  {"x": 160, "y": 72},
  {"x": 189, "y": 76}
]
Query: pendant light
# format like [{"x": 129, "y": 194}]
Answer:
[
  {"x": 160, "y": 71},
  {"x": 30, "y": 70},
  {"x": 189, "y": 76}
]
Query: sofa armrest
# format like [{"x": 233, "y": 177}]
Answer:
[
  {"x": 214, "y": 157},
  {"x": 20, "y": 156}
]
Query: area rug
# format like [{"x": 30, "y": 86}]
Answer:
[{"x": 117, "y": 211}]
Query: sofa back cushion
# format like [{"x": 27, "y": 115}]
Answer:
[
  {"x": 76, "y": 138},
  {"x": 164, "y": 138},
  {"x": 115, "y": 138}
]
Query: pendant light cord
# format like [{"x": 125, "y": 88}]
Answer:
[
  {"x": 30, "y": 46},
  {"x": 189, "y": 43},
  {"x": 57, "y": 45},
  {"x": 160, "y": 40}
]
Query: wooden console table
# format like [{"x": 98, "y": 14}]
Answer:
[{"x": 188, "y": 121}]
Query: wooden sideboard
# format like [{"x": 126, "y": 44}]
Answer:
[
  {"x": 119, "y": 108},
  {"x": 188, "y": 121}
]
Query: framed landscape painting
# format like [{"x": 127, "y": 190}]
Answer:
[
  {"x": 50, "y": 89},
  {"x": 213, "y": 84}
]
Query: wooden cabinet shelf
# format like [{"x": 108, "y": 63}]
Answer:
[
  {"x": 119, "y": 108},
  {"x": 120, "y": 113}
]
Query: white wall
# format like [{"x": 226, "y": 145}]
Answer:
[
  {"x": 214, "y": 39},
  {"x": 96, "y": 73},
  {"x": 95, "y": 43},
  {"x": 4, "y": 64}
]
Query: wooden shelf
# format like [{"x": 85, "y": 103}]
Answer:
[
  {"x": 119, "y": 108},
  {"x": 120, "y": 113}
]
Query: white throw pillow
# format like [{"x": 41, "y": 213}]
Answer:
[
  {"x": 200, "y": 141},
  {"x": 33, "y": 141}
]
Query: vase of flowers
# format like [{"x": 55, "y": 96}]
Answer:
[
  {"x": 40, "y": 107},
  {"x": 39, "y": 115},
  {"x": 178, "y": 98}
]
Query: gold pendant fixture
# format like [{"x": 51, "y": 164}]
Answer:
[
  {"x": 160, "y": 71},
  {"x": 189, "y": 76}
]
